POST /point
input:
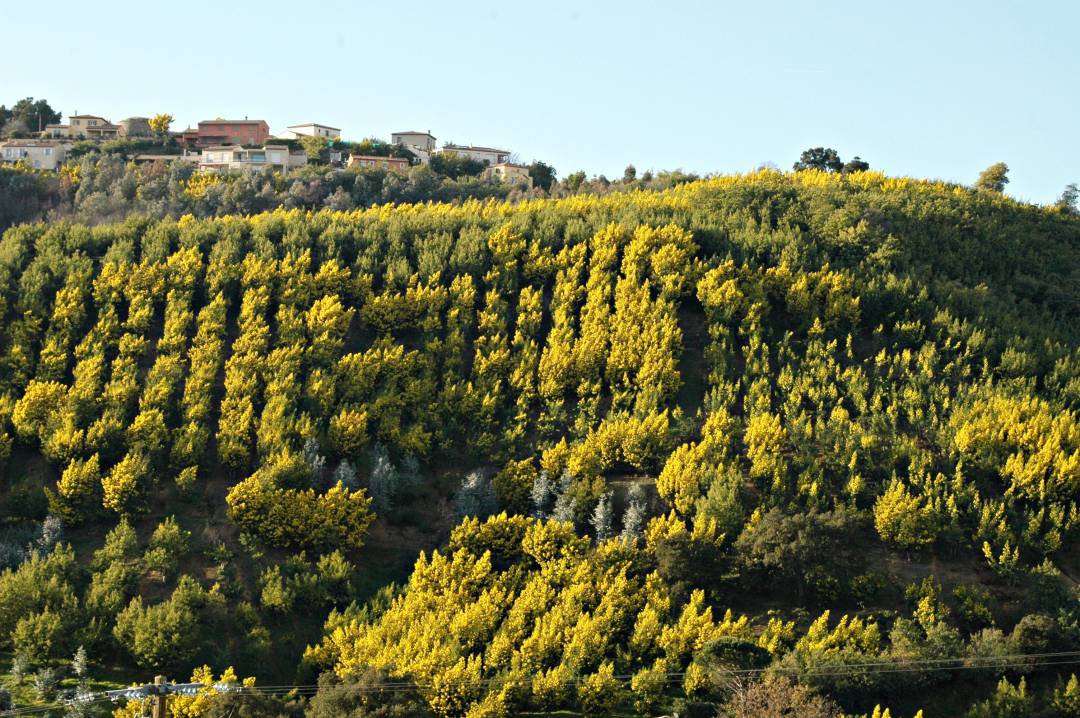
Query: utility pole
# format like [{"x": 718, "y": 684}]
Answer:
[{"x": 161, "y": 698}]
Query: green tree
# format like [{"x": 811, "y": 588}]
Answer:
[
  {"x": 165, "y": 635},
  {"x": 776, "y": 698},
  {"x": 819, "y": 158},
  {"x": 29, "y": 116},
  {"x": 856, "y": 164},
  {"x": 807, "y": 549},
  {"x": 454, "y": 165},
  {"x": 369, "y": 693},
  {"x": 993, "y": 178},
  {"x": 1008, "y": 701},
  {"x": 542, "y": 174},
  {"x": 1065, "y": 700},
  {"x": 574, "y": 180},
  {"x": 314, "y": 147},
  {"x": 38, "y": 635},
  {"x": 1068, "y": 201},
  {"x": 121, "y": 543}
]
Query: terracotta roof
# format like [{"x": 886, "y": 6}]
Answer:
[{"x": 232, "y": 122}]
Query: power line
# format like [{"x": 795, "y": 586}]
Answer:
[{"x": 865, "y": 668}]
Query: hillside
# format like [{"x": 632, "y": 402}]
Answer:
[{"x": 581, "y": 454}]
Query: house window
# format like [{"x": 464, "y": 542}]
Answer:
[
  {"x": 37, "y": 164},
  {"x": 48, "y": 151}
]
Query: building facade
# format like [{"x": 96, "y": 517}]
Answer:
[
  {"x": 487, "y": 155},
  {"x": 510, "y": 174},
  {"x": 237, "y": 157},
  {"x": 39, "y": 154},
  {"x": 423, "y": 141},
  {"x": 88, "y": 127},
  {"x": 214, "y": 133},
  {"x": 396, "y": 164},
  {"x": 311, "y": 129}
]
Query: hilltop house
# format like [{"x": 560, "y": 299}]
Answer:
[
  {"x": 236, "y": 157},
  {"x": 396, "y": 164},
  {"x": 213, "y": 133},
  {"x": 39, "y": 154},
  {"x": 421, "y": 144},
  {"x": 311, "y": 129},
  {"x": 90, "y": 127},
  {"x": 510, "y": 174},
  {"x": 487, "y": 155}
]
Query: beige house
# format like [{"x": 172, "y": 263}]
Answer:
[
  {"x": 510, "y": 174},
  {"x": 311, "y": 129},
  {"x": 236, "y": 157},
  {"x": 487, "y": 155},
  {"x": 89, "y": 127},
  {"x": 39, "y": 154},
  {"x": 397, "y": 164}
]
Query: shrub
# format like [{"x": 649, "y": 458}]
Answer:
[
  {"x": 599, "y": 693},
  {"x": 45, "y": 683},
  {"x": 1008, "y": 701},
  {"x": 1065, "y": 700},
  {"x": 38, "y": 635}
]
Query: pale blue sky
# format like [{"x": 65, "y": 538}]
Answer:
[{"x": 928, "y": 89}]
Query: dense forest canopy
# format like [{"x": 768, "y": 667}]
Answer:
[{"x": 584, "y": 453}]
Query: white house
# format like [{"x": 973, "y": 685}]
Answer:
[
  {"x": 39, "y": 154},
  {"x": 421, "y": 144},
  {"x": 424, "y": 141},
  {"x": 236, "y": 157},
  {"x": 311, "y": 129},
  {"x": 487, "y": 155}
]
